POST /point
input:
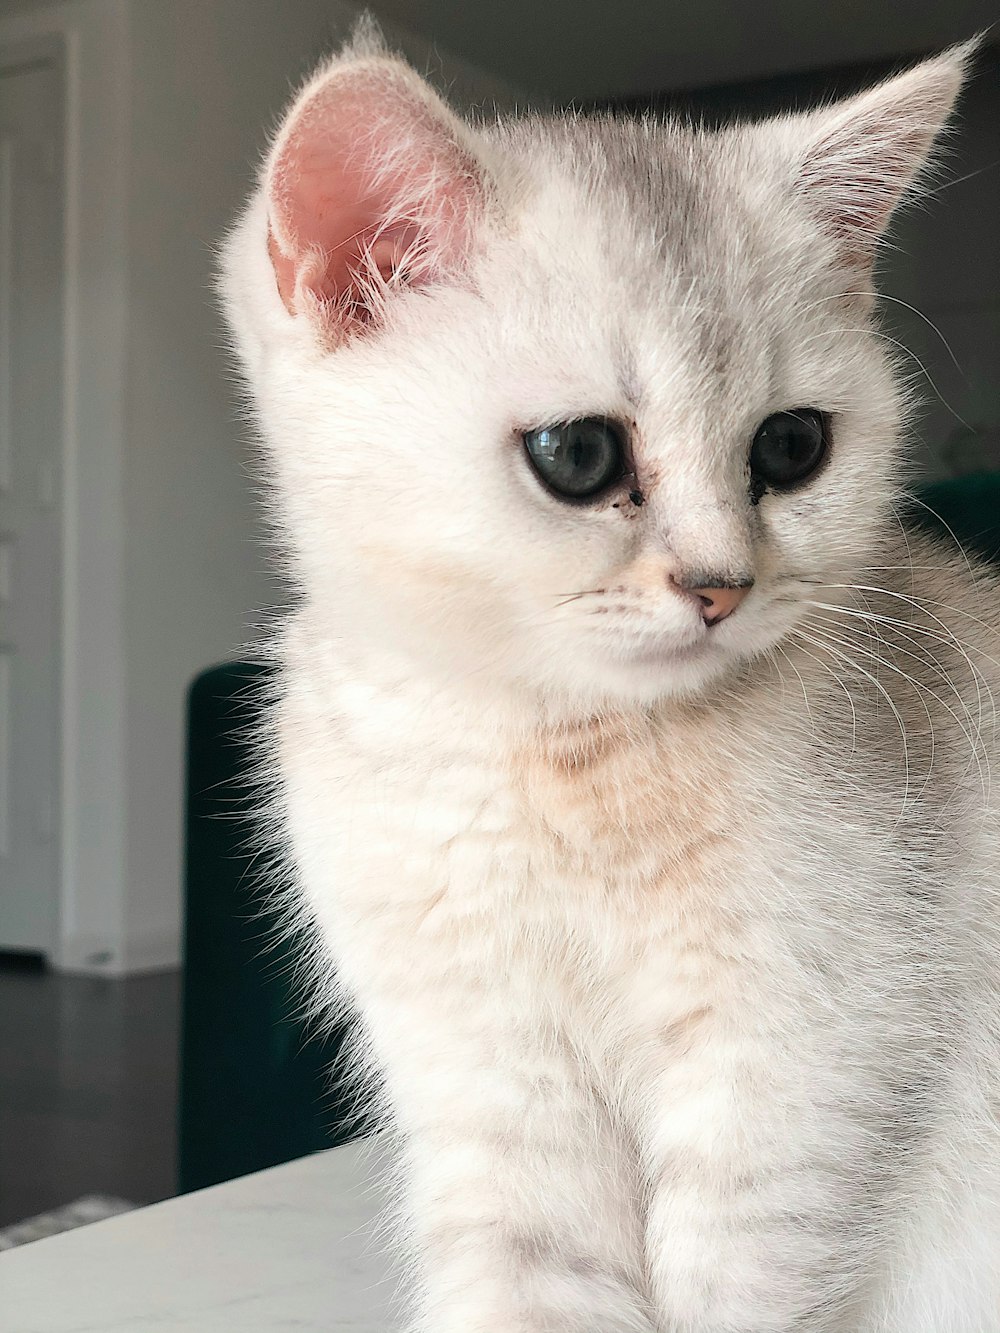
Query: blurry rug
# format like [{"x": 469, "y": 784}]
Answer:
[{"x": 91, "y": 1208}]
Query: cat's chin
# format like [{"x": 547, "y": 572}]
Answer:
[
  {"x": 665, "y": 668},
  {"x": 666, "y": 653}
]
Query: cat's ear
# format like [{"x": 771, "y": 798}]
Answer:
[
  {"x": 372, "y": 183},
  {"x": 857, "y": 160}
]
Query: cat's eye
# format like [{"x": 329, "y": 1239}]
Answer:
[
  {"x": 577, "y": 459},
  {"x": 788, "y": 448}
]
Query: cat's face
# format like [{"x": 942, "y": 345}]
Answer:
[{"x": 587, "y": 407}]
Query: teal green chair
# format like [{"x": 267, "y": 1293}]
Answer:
[
  {"x": 258, "y": 1085},
  {"x": 967, "y": 508}
]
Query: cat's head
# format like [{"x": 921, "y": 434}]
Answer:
[{"x": 578, "y": 404}]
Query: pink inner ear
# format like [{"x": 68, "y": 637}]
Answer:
[{"x": 367, "y": 186}]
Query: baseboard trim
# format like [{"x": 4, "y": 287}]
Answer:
[{"x": 91, "y": 956}]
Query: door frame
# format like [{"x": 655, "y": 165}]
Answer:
[
  {"x": 14, "y": 59},
  {"x": 89, "y": 40}
]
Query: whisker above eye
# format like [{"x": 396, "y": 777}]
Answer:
[
  {"x": 895, "y": 342},
  {"x": 882, "y": 296}
]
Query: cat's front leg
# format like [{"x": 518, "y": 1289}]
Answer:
[
  {"x": 522, "y": 1206},
  {"x": 762, "y": 1206}
]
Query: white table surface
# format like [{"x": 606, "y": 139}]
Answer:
[{"x": 294, "y": 1247}]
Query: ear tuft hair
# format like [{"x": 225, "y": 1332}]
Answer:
[{"x": 367, "y": 40}]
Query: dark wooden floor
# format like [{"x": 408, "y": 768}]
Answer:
[{"x": 88, "y": 1088}]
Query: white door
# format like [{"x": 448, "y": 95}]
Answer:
[{"x": 31, "y": 333}]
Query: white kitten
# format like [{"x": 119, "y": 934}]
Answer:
[{"x": 633, "y": 761}]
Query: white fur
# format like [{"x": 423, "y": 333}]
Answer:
[{"x": 676, "y": 949}]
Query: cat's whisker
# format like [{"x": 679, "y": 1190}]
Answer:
[
  {"x": 913, "y": 636},
  {"x": 892, "y": 706},
  {"x": 915, "y": 499},
  {"x": 903, "y": 628},
  {"x": 898, "y": 625},
  {"x": 865, "y": 569},
  {"x": 850, "y": 698},
  {"x": 921, "y": 604},
  {"x": 566, "y": 597},
  {"x": 872, "y": 569},
  {"x": 909, "y": 628},
  {"x": 973, "y": 733},
  {"x": 805, "y": 693},
  {"x": 829, "y": 629},
  {"x": 906, "y": 541},
  {"x": 878, "y": 662},
  {"x": 771, "y": 657}
]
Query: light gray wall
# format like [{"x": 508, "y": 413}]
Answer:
[
  {"x": 8, "y": 8},
  {"x": 92, "y": 725},
  {"x": 207, "y": 81}
]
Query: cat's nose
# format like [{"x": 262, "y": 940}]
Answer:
[{"x": 716, "y": 602}]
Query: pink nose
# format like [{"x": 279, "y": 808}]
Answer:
[
  {"x": 714, "y": 603},
  {"x": 717, "y": 603}
]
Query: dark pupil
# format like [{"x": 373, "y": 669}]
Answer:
[
  {"x": 788, "y": 447},
  {"x": 578, "y": 458}
]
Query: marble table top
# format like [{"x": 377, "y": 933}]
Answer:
[{"x": 294, "y": 1247}]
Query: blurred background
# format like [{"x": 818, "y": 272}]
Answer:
[{"x": 132, "y": 570}]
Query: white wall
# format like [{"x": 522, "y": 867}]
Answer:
[
  {"x": 93, "y": 807},
  {"x": 207, "y": 81}
]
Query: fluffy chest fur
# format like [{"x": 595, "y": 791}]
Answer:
[{"x": 670, "y": 875}]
